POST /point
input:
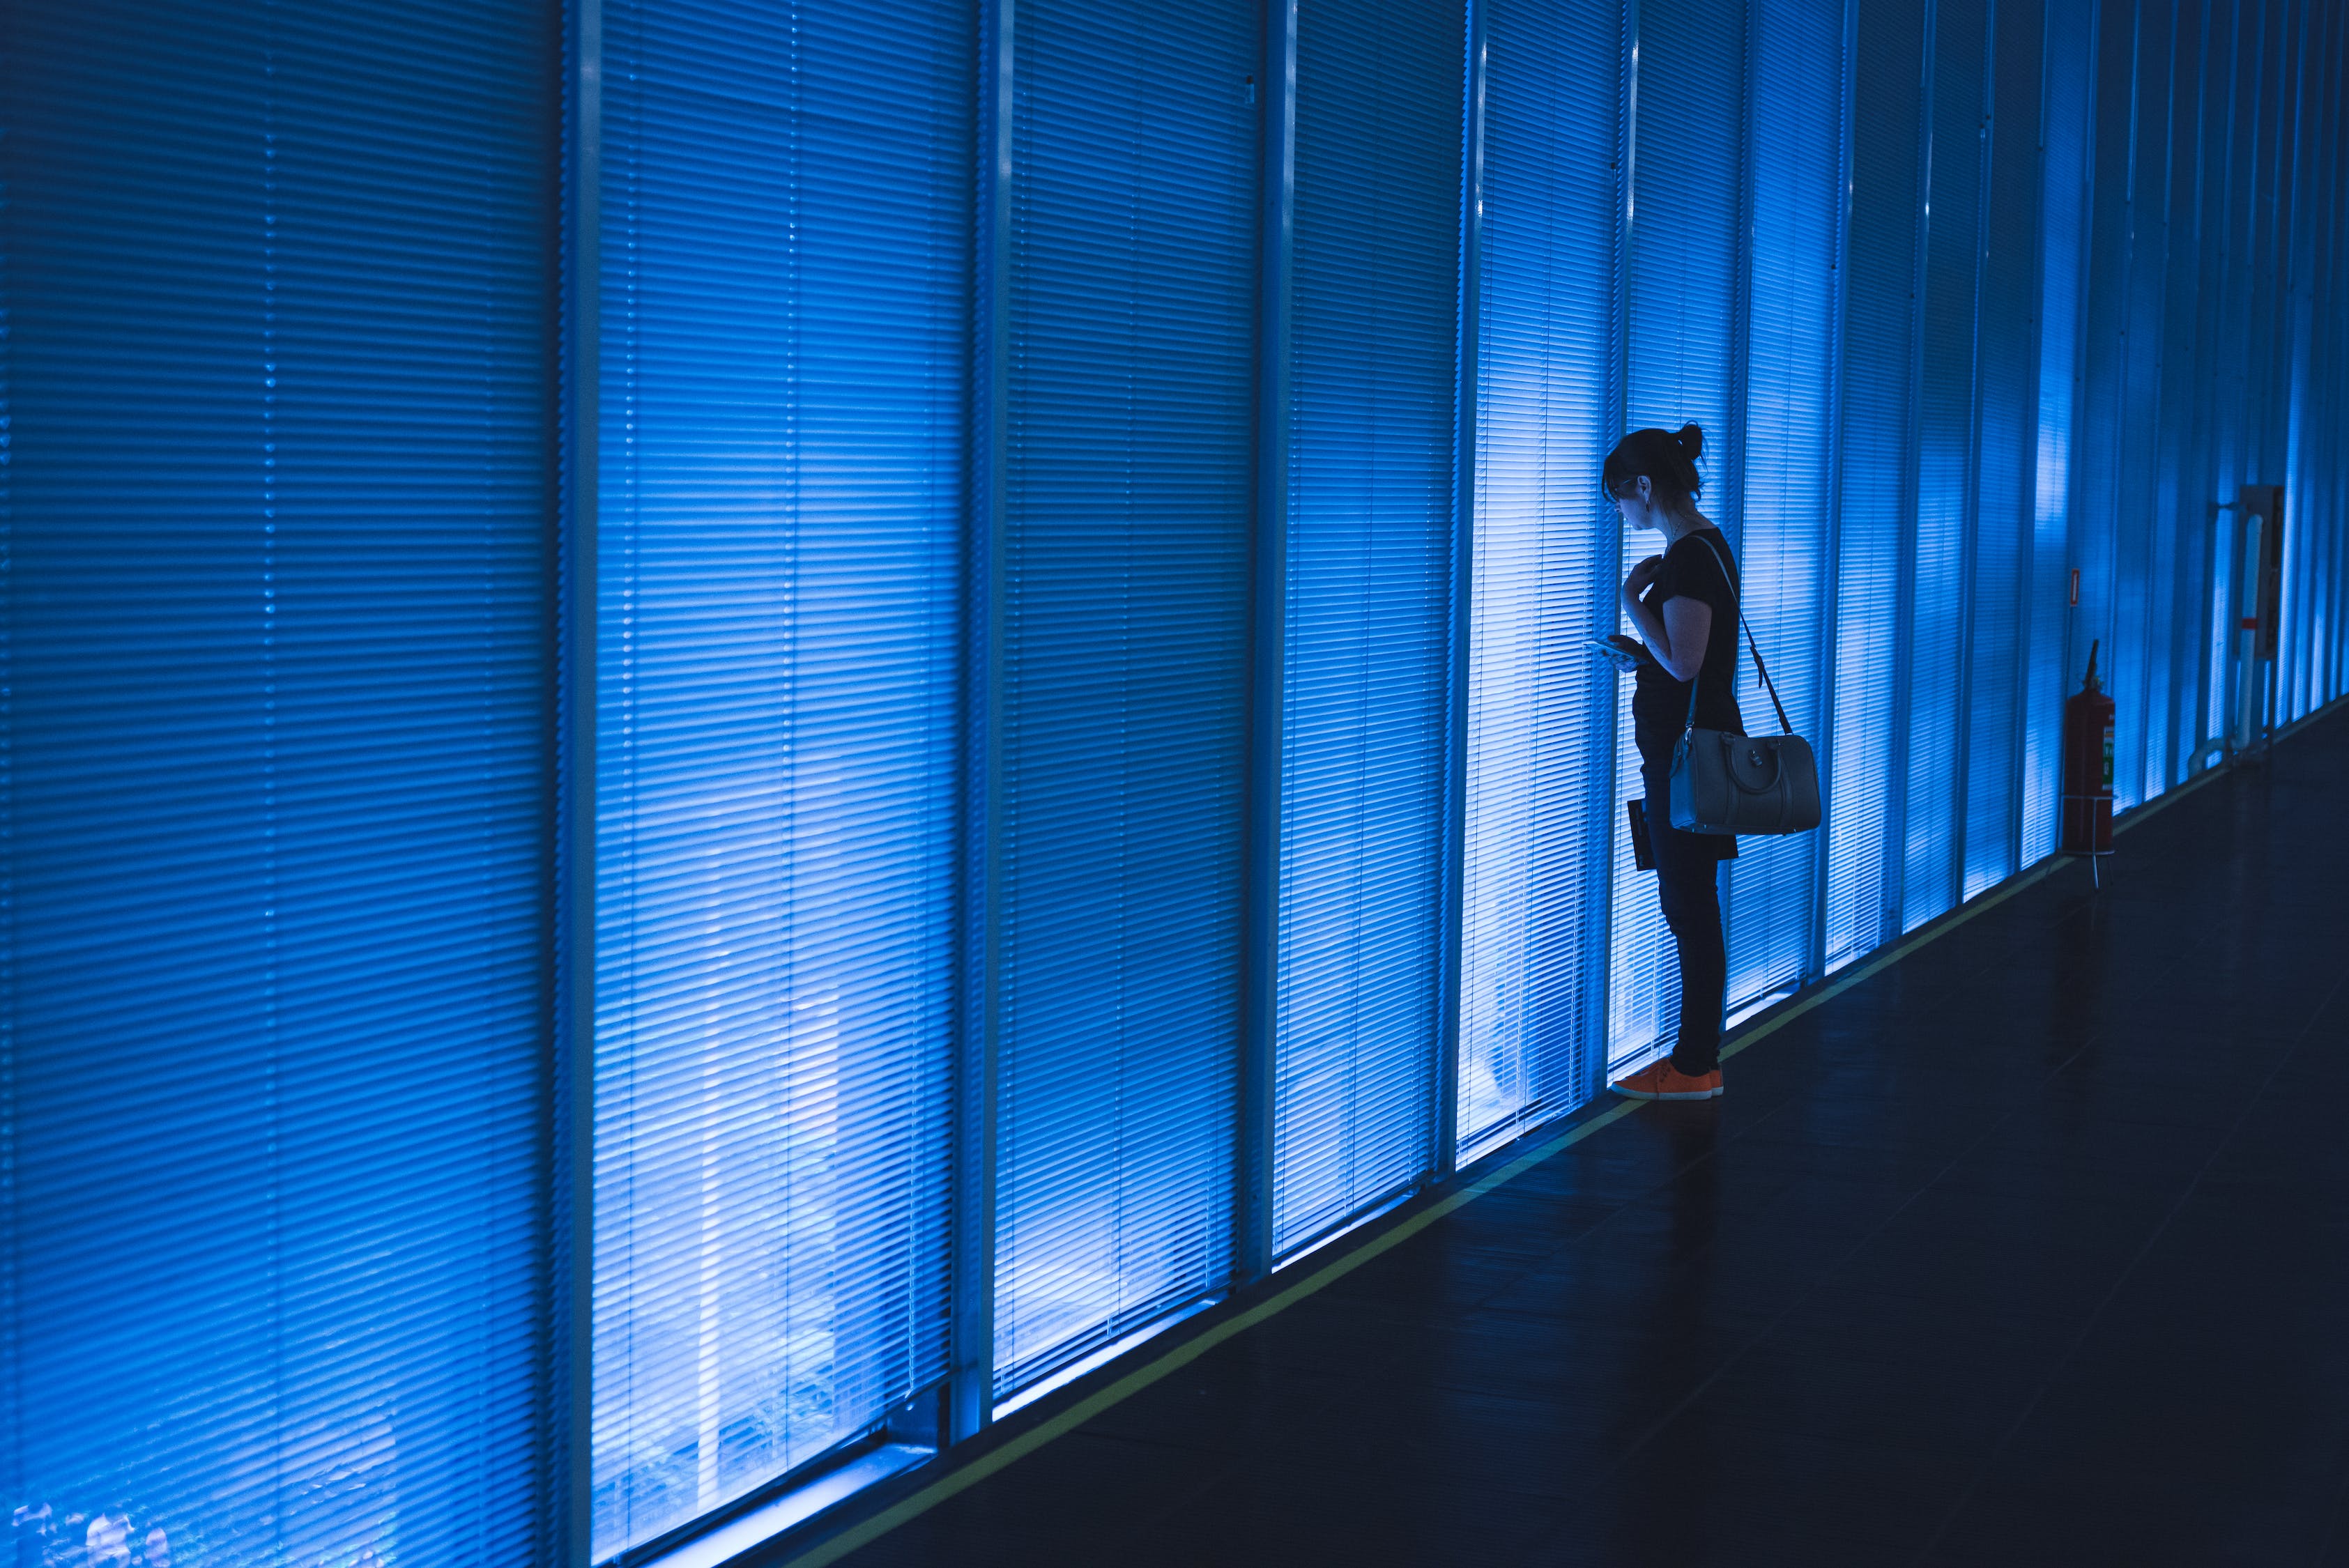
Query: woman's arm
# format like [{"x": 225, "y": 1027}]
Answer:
[
  {"x": 1678, "y": 633},
  {"x": 1688, "y": 627}
]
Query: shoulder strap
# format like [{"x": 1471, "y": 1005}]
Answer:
[{"x": 1737, "y": 607}]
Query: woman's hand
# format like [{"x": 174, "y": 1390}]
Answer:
[
  {"x": 1644, "y": 619},
  {"x": 1643, "y": 577}
]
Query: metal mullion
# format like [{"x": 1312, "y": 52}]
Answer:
[
  {"x": 572, "y": 1063},
  {"x": 1445, "y": 1147},
  {"x": 1268, "y": 692},
  {"x": 970, "y": 1398}
]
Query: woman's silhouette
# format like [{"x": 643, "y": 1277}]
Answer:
[{"x": 1685, "y": 606}]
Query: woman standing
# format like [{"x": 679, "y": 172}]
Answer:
[{"x": 1683, "y": 604}]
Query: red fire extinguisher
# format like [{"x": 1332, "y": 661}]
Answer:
[{"x": 2087, "y": 811}]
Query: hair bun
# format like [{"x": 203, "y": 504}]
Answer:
[{"x": 1692, "y": 441}]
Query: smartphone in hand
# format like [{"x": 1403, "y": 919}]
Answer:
[{"x": 1626, "y": 653}]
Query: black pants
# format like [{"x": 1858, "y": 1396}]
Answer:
[{"x": 1685, "y": 867}]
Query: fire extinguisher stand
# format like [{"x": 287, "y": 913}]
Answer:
[{"x": 2087, "y": 826}]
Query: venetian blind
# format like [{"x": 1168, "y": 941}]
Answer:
[
  {"x": 1366, "y": 666},
  {"x": 1688, "y": 178},
  {"x": 273, "y": 764},
  {"x": 786, "y": 233},
  {"x": 1792, "y": 285},
  {"x": 1879, "y": 365},
  {"x": 1123, "y": 707},
  {"x": 1540, "y": 815}
]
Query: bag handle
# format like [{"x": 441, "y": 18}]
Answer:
[{"x": 1737, "y": 607}]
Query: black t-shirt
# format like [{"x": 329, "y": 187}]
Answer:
[{"x": 1660, "y": 704}]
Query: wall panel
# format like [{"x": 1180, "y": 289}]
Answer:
[
  {"x": 1795, "y": 105},
  {"x": 1941, "y": 542},
  {"x": 1680, "y": 360},
  {"x": 2001, "y": 594},
  {"x": 1131, "y": 442},
  {"x": 1863, "y": 825},
  {"x": 785, "y": 283},
  {"x": 2144, "y": 561},
  {"x": 275, "y": 770},
  {"x": 1366, "y": 649},
  {"x": 1541, "y": 816},
  {"x": 2070, "y": 73}
]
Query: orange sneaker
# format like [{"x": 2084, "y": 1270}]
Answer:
[{"x": 1662, "y": 1080}]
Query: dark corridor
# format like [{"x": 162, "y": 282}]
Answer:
[{"x": 2032, "y": 1248}]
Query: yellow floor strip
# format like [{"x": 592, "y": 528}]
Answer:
[{"x": 964, "y": 1475}]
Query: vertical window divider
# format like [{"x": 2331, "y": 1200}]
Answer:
[
  {"x": 1895, "y": 865},
  {"x": 970, "y": 1399},
  {"x": 571, "y": 1069},
  {"x": 1598, "y": 896},
  {"x": 1816, "y": 967},
  {"x": 1444, "y": 1144},
  {"x": 1261, "y": 965}
]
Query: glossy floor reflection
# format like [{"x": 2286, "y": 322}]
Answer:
[{"x": 2031, "y": 1249}]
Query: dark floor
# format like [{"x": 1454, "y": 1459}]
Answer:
[{"x": 2031, "y": 1249}]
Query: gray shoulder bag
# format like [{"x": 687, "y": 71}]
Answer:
[{"x": 1725, "y": 783}]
